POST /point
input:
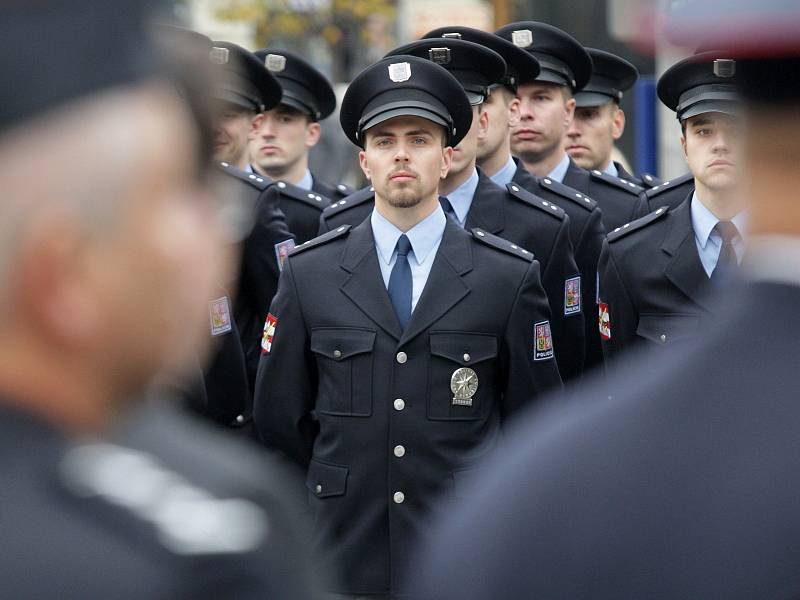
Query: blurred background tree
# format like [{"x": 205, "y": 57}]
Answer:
[{"x": 340, "y": 36}]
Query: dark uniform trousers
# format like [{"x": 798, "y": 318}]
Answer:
[
  {"x": 534, "y": 224},
  {"x": 369, "y": 411},
  {"x": 586, "y": 233},
  {"x": 652, "y": 283}
]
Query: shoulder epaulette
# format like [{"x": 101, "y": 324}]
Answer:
[
  {"x": 650, "y": 181},
  {"x": 305, "y": 196},
  {"x": 344, "y": 190},
  {"x": 620, "y": 232},
  {"x": 320, "y": 240},
  {"x": 616, "y": 182},
  {"x": 526, "y": 197},
  {"x": 257, "y": 181},
  {"x": 667, "y": 185},
  {"x": 501, "y": 244},
  {"x": 359, "y": 197},
  {"x": 569, "y": 193}
]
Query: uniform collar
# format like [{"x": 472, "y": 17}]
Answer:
[
  {"x": 424, "y": 236},
  {"x": 504, "y": 176},
  {"x": 704, "y": 221},
  {"x": 611, "y": 169},
  {"x": 560, "y": 171},
  {"x": 461, "y": 197},
  {"x": 307, "y": 182}
]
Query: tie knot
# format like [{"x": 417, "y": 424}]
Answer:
[
  {"x": 403, "y": 245},
  {"x": 727, "y": 231}
]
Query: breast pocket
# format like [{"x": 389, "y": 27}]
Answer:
[
  {"x": 665, "y": 329},
  {"x": 462, "y": 375},
  {"x": 344, "y": 362}
]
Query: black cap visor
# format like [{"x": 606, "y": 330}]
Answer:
[
  {"x": 404, "y": 103},
  {"x": 585, "y": 99},
  {"x": 706, "y": 99},
  {"x": 237, "y": 98}
]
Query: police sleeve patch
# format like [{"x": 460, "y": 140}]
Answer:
[
  {"x": 543, "y": 341},
  {"x": 572, "y": 296},
  {"x": 282, "y": 250},
  {"x": 269, "y": 333},
  {"x": 220, "y": 315}
]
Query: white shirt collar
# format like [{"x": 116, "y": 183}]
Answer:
[
  {"x": 704, "y": 221},
  {"x": 424, "y": 236},
  {"x": 611, "y": 169},
  {"x": 505, "y": 175},
  {"x": 307, "y": 182}
]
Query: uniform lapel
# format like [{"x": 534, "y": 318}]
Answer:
[
  {"x": 577, "y": 178},
  {"x": 364, "y": 286},
  {"x": 488, "y": 209},
  {"x": 684, "y": 268},
  {"x": 445, "y": 286}
]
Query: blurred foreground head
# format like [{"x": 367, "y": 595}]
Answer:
[
  {"x": 105, "y": 251},
  {"x": 762, "y": 39}
]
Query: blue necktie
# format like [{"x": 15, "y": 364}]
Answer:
[
  {"x": 727, "y": 263},
  {"x": 447, "y": 207},
  {"x": 400, "y": 284}
]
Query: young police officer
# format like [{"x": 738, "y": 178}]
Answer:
[
  {"x": 656, "y": 273},
  {"x": 390, "y": 359}
]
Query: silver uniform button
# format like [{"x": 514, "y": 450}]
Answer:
[
  {"x": 399, "y": 404},
  {"x": 663, "y": 337},
  {"x": 467, "y": 358},
  {"x": 337, "y": 353},
  {"x": 399, "y": 451},
  {"x": 318, "y": 489},
  {"x": 240, "y": 419},
  {"x": 402, "y": 357},
  {"x": 399, "y": 497}
]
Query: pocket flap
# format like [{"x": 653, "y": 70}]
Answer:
[
  {"x": 665, "y": 329},
  {"x": 338, "y": 343},
  {"x": 324, "y": 480},
  {"x": 463, "y": 348}
]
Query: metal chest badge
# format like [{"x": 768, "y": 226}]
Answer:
[
  {"x": 220, "y": 315},
  {"x": 543, "y": 341},
  {"x": 463, "y": 384}
]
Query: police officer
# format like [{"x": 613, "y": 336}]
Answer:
[
  {"x": 390, "y": 357},
  {"x": 599, "y": 121},
  {"x": 547, "y": 108},
  {"x": 106, "y": 264},
  {"x": 473, "y": 200},
  {"x": 245, "y": 83},
  {"x": 685, "y": 485},
  {"x": 495, "y": 160},
  {"x": 657, "y": 273}
]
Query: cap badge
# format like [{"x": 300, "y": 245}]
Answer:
[
  {"x": 400, "y": 72},
  {"x": 522, "y": 38},
  {"x": 440, "y": 56},
  {"x": 219, "y": 56},
  {"x": 724, "y": 67},
  {"x": 452, "y": 36},
  {"x": 275, "y": 62}
]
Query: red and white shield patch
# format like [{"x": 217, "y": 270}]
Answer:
[
  {"x": 269, "y": 332},
  {"x": 604, "y": 321}
]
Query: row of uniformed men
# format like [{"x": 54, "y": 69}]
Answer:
[{"x": 396, "y": 318}]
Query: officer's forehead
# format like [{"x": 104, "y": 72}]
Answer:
[{"x": 405, "y": 125}]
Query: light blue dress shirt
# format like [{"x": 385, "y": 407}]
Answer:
[
  {"x": 425, "y": 238},
  {"x": 504, "y": 176},
  {"x": 611, "y": 169},
  {"x": 461, "y": 197},
  {"x": 307, "y": 182},
  {"x": 560, "y": 171},
  {"x": 709, "y": 242}
]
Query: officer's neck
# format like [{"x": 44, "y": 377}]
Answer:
[
  {"x": 498, "y": 159},
  {"x": 454, "y": 180},
  {"x": 542, "y": 167},
  {"x": 292, "y": 173},
  {"x": 405, "y": 218},
  {"x": 724, "y": 203}
]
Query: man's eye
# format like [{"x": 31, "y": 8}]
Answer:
[
  {"x": 382, "y": 143},
  {"x": 420, "y": 140}
]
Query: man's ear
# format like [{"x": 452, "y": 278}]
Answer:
[
  {"x": 313, "y": 133},
  {"x": 683, "y": 145},
  {"x": 255, "y": 125},
  {"x": 513, "y": 113},
  {"x": 362, "y": 161},
  {"x": 483, "y": 125},
  {"x": 447, "y": 161},
  {"x": 569, "y": 112},
  {"x": 618, "y": 125}
]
